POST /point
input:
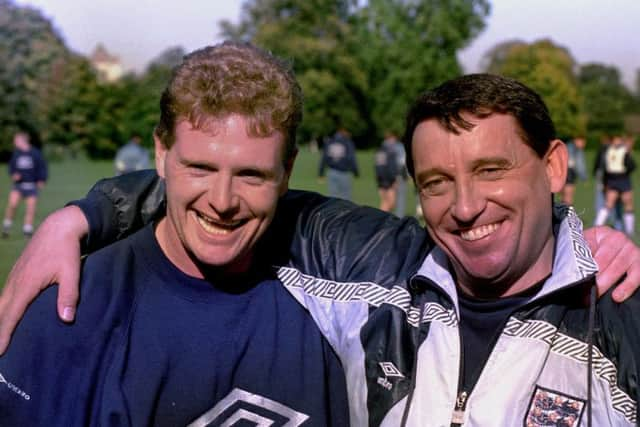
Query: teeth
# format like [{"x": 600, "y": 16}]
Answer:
[
  {"x": 215, "y": 228},
  {"x": 479, "y": 232}
]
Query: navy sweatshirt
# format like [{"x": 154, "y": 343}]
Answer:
[
  {"x": 153, "y": 346},
  {"x": 339, "y": 153},
  {"x": 29, "y": 164}
]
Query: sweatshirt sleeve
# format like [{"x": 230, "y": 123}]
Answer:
[
  {"x": 43, "y": 171},
  {"x": 12, "y": 164}
]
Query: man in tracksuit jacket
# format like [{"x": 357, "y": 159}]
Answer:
[
  {"x": 400, "y": 340},
  {"x": 339, "y": 162}
]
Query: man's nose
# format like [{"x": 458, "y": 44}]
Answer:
[
  {"x": 222, "y": 196},
  {"x": 468, "y": 201}
]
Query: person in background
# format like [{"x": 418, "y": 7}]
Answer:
[
  {"x": 386, "y": 172},
  {"x": 576, "y": 169},
  {"x": 618, "y": 165},
  {"x": 599, "y": 189},
  {"x": 339, "y": 161},
  {"x": 28, "y": 172},
  {"x": 401, "y": 175},
  {"x": 132, "y": 156}
]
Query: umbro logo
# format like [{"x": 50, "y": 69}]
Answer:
[
  {"x": 14, "y": 388},
  {"x": 390, "y": 371},
  {"x": 243, "y": 408}
]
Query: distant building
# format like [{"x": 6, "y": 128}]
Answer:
[{"x": 108, "y": 66}]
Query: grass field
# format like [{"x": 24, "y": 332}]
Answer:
[{"x": 71, "y": 179}]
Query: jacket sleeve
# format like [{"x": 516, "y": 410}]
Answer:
[
  {"x": 631, "y": 323},
  {"x": 323, "y": 236},
  {"x": 340, "y": 261},
  {"x": 619, "y": 340},
  {"x": 12, "y": 164},
  {"x": 339, "y": 240},
  {"x": 629, "y": 162},
  {"x": 117, "y": 207}
]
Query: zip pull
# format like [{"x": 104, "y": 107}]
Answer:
[{"x": 458, "y": 412}]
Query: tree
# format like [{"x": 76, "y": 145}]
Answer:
[
  {"x": 33, "y": 58},
  {"x": 312, "y": 34},
  {"x": 72, "y": 117},
  {"x": 142, "y": 111},
  {"x": 549, "y": 70},
  {"x": 606, "y": 99},
  {"x": 360, "y": 65},
  {"x": 410, "y": 46}
]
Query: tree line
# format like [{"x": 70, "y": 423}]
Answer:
[{"x": 360, "y": 64}]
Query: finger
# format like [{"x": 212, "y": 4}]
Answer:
[
  {"x": 624, "y": 290},
  {"x": 630, "y": 283},
  {"x": 622, "y": 271},
  {"x": 611, "y": 266},
  {"x": 68, "y": 293}
]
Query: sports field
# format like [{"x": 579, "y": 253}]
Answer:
[{"x": 71, "y": 179}]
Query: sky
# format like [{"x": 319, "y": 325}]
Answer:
[{"x": 136, "y": 32}]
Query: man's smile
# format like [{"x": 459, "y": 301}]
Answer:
[
  {"x": 213, "y": 226},
  {"x": 479, "y": 232}
]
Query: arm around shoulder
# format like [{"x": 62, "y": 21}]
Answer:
[{"x": 116, "y": 207}]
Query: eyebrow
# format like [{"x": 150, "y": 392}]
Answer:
[
  {"x": 476, "y": 164},
  {"x": 491, "y": 161}
]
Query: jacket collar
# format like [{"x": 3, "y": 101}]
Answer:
[{"x": 572, "y": 261}]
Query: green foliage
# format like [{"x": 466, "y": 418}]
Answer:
[
  {"x": 33, "y": 59},
  {"x": 408, "y": 47},
  {"x": 360, "y": 65},
  {"x": 606, "y": 99},
  {"x": 548, "y": 69},
  {"x": 314, "y": 35},
  {"x": 57, "y": 97}
]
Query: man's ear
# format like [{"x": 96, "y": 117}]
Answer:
[
  {"x": 556, "y": 158},
  {"x": 161, "y": 153},
  {"x": 288, "y": 169}
]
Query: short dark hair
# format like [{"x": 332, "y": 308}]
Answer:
[
  {"x": 482, "y": 95},
  {"x": 233, "y": 78}
]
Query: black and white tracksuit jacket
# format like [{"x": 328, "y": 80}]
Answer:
[{"x": 383, "y": 297}]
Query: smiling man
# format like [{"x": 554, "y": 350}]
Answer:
[
  {"x": 488, "y": 205},
  {"x": 486, "y": 161},
  {"x": 184, "y": 322},
  {"x": 207, "y": 229}
]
